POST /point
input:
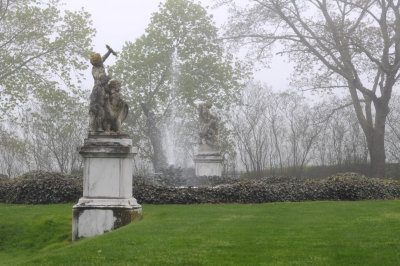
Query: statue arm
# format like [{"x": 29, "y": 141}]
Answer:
[
  {"x": 110, "y": 51},
  {"x": 105, "y": 56}
]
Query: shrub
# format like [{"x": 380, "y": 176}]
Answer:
[
  {"x": 337, "y": 187},
  {"x": 40, "y": 188},
  {"x": 40, "y": 174},
  {"x": 276, "y": 179},
  {"x": 170, "y": 176},
  {"x": 47, "y": 187},
  {"x": 3, "y": 177},
  {"x": 174, "y": 177},
  {"x": 392, "y": 170},
  {"x": 197, "y": 181}
]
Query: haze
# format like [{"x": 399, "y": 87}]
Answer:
[{"x": 122, "y": 21}]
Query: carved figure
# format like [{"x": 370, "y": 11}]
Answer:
[
  {"x": 101, "y": 78},
  {"x": 116, "y": 109},
  {"x": 208, "y": 125}
]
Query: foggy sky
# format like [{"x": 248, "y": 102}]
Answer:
[{"x": 119, "y": 21}]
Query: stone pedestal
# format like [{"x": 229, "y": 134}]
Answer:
[
  {"x": 208, "y": 161},
  {"x": 107, "y": 201}
]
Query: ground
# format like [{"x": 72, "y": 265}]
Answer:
[{"x": 317, "y": 233}]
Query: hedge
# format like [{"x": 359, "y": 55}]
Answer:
[
  {"x": 40, "y": 187},
  {"x": 337, "y": 187},
  {"x": 48, "y": 188},
  {"x": 392, "y": 170}
]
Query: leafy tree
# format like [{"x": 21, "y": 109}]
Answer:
[
  {"x": 176, "y": 63},
  {"x": 349, "y": 44},
  {"x": 40, "y": 47}
]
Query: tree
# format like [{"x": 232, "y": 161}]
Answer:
[
  {"x": 40, "y": 47},
  {"x": 348, "y": 44},
  {"x": 273, "y": 130},
  {"x": 393, "y": 130},
  {"x": 250, "y": 128},
  {"x": 275, "y": 116},
  {"x": 176, "y": 63},
  {"x": 341, "y": 141},
  {"x": 303, "y": 130},
  {"x": 13, "y": 154},
  {"x": 55, "y": 130}
]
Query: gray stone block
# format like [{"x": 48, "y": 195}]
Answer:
[{"x": 208, "y": 161}]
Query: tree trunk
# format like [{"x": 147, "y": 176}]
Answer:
[
  {"x": 377, "y": 155},
  {"x": 153, "y": 132},
  {"x": 376, "y": 145},
  {"x": 374, "y": 131}
]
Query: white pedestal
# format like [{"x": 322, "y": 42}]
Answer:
[
  {"x": 107, "y": 201},
  {"x": 208, "y": 161}
]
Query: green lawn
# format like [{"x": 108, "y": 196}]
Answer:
[{"x": 309, "y": 233}]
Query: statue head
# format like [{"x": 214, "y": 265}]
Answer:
[
  {"x": 208, "y": 104},
  {"x": 95, "y": 60},
  {"x": 114, "y": 85}
]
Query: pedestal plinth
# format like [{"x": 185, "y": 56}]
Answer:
[
  {"x": 208, "y": 161},
  {"x": 107, "y": 201}
]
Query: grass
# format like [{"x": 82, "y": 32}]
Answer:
[{"x": 309, "y": 233}]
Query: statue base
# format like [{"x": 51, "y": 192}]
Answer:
[
  {"x": 96, "y": 216},
  {"x": 208, "y": 161},
  {"x": 107, "y": 201}
]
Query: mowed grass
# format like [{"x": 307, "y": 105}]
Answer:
[{"x": 308, "y": 233}]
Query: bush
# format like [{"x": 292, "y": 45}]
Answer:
[
  {"x": 170, "y": 176},
  {"x": 3, "y": 177},
  {"x": 40, "y": 188},
  {"x": 392, "y": 171},
  {"x": 197, "y": 181},
  {"x": 174, "y": 177},
  {"x": 40, "y": 174},
  {"x": 338, "y": 187},
  {"x": 49, "y": 187},
  {"x": 275, "y": 179}
]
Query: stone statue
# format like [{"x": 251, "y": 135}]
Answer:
[
  {"x": 107, "y": 110},
  {"x": 116, "y": 109},
  {"x": 208, "y": 125}
]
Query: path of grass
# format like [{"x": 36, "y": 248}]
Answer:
[{"x": 310, "y": 233}]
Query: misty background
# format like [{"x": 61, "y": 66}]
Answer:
[{"x": 270, "y": 123}]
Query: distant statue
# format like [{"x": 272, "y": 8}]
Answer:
[
  {"x": 107, "y": 110},
  {"x": 208, "y": 125},
  {"x": 116, "y": 109}
]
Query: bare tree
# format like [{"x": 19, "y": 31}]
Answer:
[
  {"x": 341, "y": 140},
  {"x": 55, "y": 130},
  {"x": 335, "y": 44},
  {"x": 250, "y": 128},
  {"x": 303, "y": 128},
  {"x": 13, "y": 154},
  {"x": 274, "y": 130},
  {"x": 393, "y": 130},
  {"x": 275, "y": 117}
]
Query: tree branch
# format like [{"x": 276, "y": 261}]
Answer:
[{"x": 12, "y": 71}]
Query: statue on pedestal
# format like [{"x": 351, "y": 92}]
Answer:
[
  {"x": 208, "y": 126},
  {"x": 107, "y": 202},
  {"x": 107, "y": 109},
  {"x": 208, "y": 159}
]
